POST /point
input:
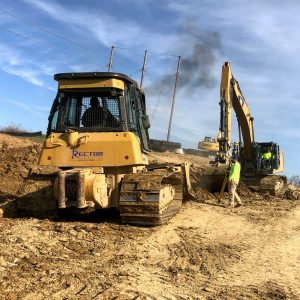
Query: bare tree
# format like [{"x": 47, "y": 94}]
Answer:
[
  {"x": 295, "y": 180},
  {"x": 13, "y": 127}
]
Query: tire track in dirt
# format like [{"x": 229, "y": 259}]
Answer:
[
  {"x": 179, "y": 259},
  {"x": 273, "y": 257},
  {"x": 207, "y": 253}
]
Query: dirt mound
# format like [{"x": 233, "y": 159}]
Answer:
[
  {"x": 170, "y": 157},
  {"x": 202, "y": 195},
  {"x": 16, "y": 164},
  {"x": 18, "y": 173},
  {"x": 292, "y": 192},
  {"x": 8, "y": 141}
]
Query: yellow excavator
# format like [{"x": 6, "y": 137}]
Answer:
[
  {"x": 210, "y": 144},
  {"x": 254, "y": 171},
  {"x": 98, "y": 136}
]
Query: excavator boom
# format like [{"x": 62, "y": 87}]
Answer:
[{"x": 232, "y": 97}]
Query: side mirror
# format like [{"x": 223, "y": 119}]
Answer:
[
  {"x": 133, "y": 128},
  {"x": 146, "y": 121}
]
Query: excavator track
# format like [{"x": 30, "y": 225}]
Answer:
[
  {"x": 273, "y": 184},
  {"x": 151, "y": 198}
]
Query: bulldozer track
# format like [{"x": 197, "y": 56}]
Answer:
[{"x": 143, "y": 204}]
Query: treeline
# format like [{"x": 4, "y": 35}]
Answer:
[
  {"x": 295, "y": 180},
  {"x": 13, "y": 127},
  {"x": 18, "y": 130}
]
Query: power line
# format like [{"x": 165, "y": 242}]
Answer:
[
  {"x": 139, "y": 49},
  {"x": 166, "y": 78},
  {"x": 157, "y": 101},
  {"x": 28, "y": 38},
  {"x": 38, "y": 42},
  {"x": 48, "y": 31},
  {"x": 65, "y": 39},
  {"x": 119, "y": 60},
  {"x": 135, "y": 72},
  {"x": 19, "y": 35},
  {"x": 56, "y": 35}
]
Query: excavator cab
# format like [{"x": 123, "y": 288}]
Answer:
[
  {"x": 260, "y": 165},
  {"x": 273, "y": 163}
]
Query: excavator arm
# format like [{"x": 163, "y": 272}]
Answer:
[{"x": 232, "y": 97}]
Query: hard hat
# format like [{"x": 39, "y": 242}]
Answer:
[{"x": 234, "y": 158}]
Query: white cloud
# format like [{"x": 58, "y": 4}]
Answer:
[
  {"x": 13, "y": 63},
  {"x": 105, "y": 27},
  {"x": 22, "y": 64},
  {"x": 36, "y": 111},
  {"x": 247, "y": 25},
  {"x": 9, "y": 56}
]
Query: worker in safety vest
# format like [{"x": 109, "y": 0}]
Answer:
[
  {"x": 233, "y": 181},
  {"x": 266, "y": 159}
]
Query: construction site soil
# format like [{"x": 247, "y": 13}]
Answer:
[{"x": 207, "y": 251}]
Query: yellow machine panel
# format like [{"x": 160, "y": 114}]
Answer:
[
  {"x": 101, "y": 149},
  {"x": 211, "y": 147},
  {"x": 210, "y": 144},
  {"x": 90, "y": 83}
]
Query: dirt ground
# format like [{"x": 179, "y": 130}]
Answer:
[{"x": 205, "y": 252}]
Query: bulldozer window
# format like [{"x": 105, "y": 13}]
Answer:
[
  {"x": 136, "y": 110},
  {"x": 130, "y": 107},
  {"x": 100, "y": 113},
  {"x": 54, "y": 121},
  {"x": 72, "y": 110},
  {"x": 54, "y": 113},
  {"x": 141, "y": 110}
]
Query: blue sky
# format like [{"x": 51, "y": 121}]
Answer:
[{"x": 260, "y": 38}]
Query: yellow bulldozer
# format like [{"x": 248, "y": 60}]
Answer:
[{"x": 98, "y": 137}]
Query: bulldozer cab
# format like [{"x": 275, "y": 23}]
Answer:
[{"x": 99, "y": 102}]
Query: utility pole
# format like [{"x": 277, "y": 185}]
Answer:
[
  {"x": 143, "y": 69},
  {"x": 111, "y": 58},
  {"x": 174, "y": 96}
]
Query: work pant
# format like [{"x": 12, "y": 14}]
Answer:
[{"x": 232, "y": 185}]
